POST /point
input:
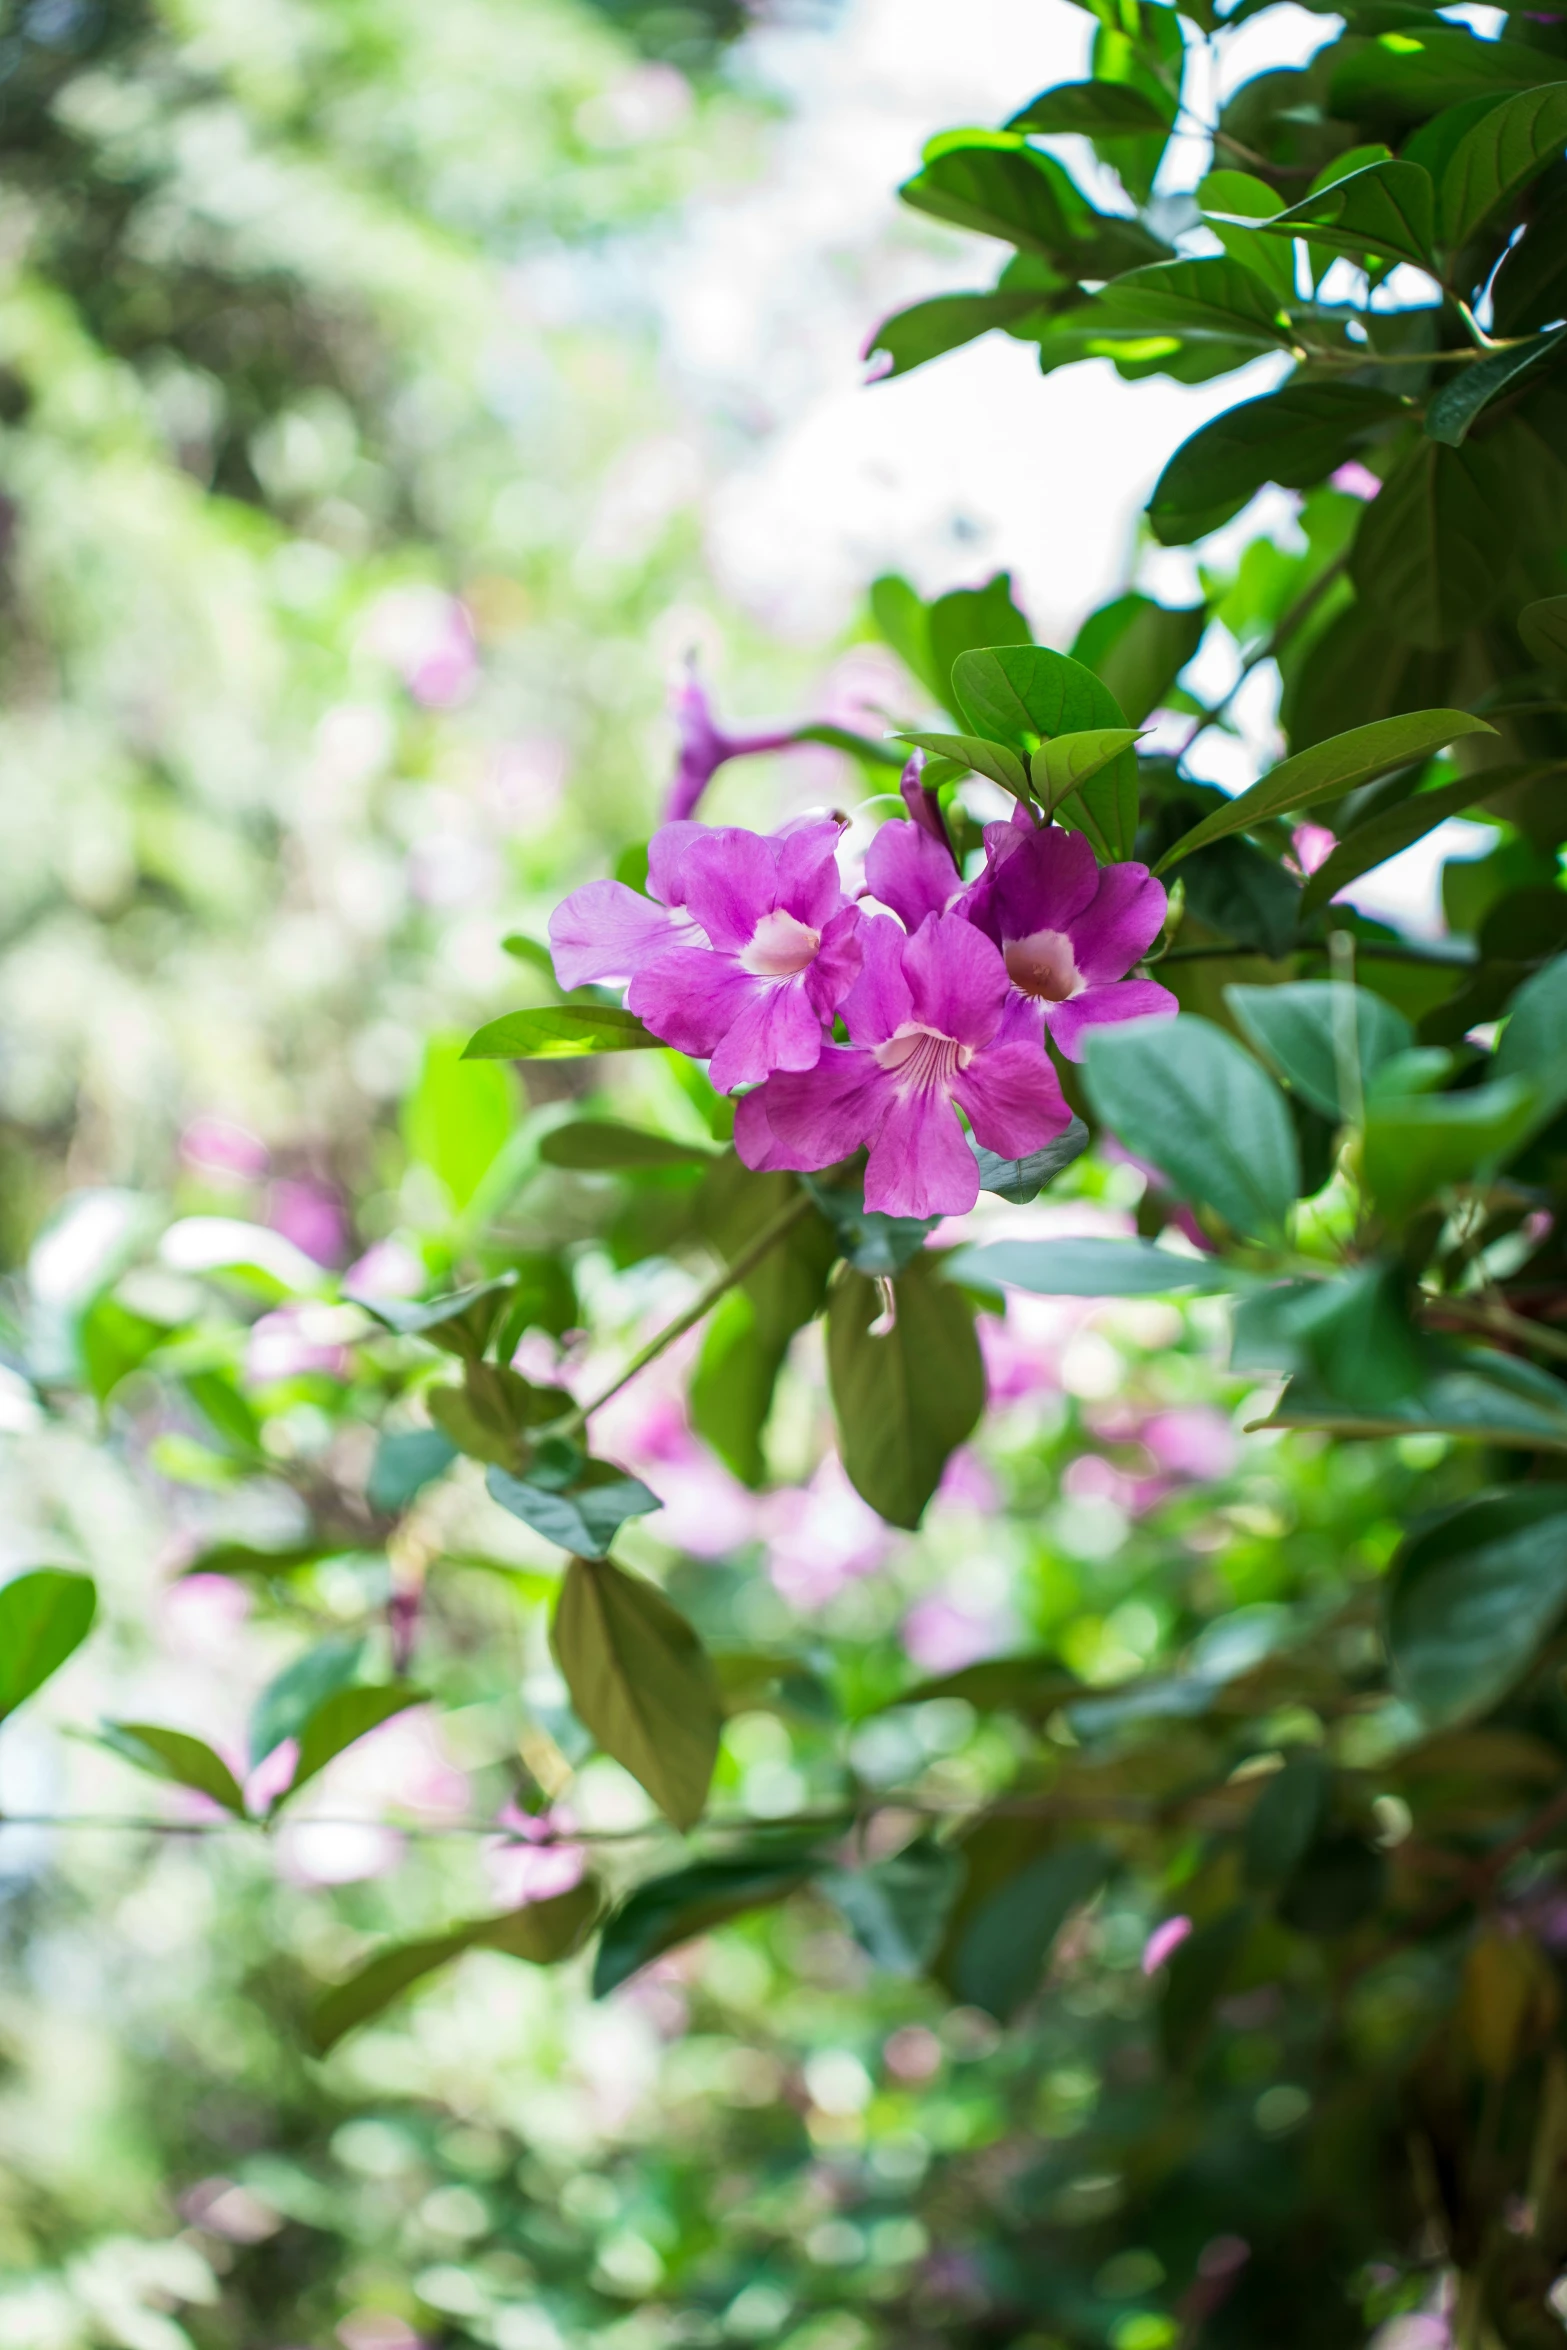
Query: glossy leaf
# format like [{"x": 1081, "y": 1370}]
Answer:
[
  {"x": 543, "y": 1932},
  {"x": 590, "y": 1145},
  {"x": 560, "y": 1032},
  {"x": 1384, "y": 835},
  {"x": 584, "y": 1519},
  {"x": 1213, "y": 299},
  {"x": 1020, "y": 1180},
  {"x": 994, "y": 183},
  {"x": 1302, "y": 1029},
  {"x": 1328, "y": 770},
  {"x": 1352, "y": 1335},
  {"x": 971, "y": 751},
  {"x": 1387, "y": 209},
  {"x": 1138, "y": 648},
  {"x": 1432, "y": 553},
  {"x": 1416, "y": 71},
  {"x": 1472, "y": 1598},
  {"x": 1498, "y": 157},
  {"x": 1187, "y": 1098},
  {"x": 1060, "y": 768},
  {"x": 1464, "y": 396},
  {"x": 1293, "y": 436},
  {"x": 1095, "y": 110},
  {"x": 668, "y": 1910},
  {"x": 45, "y": 1615},
  {"x": 641, "y": 1682},
  {"x": 1472, "y": 1392},
  {"x": 926, "y": 330},
  {"x": 345, "y": 1717},
  {"x": 870, "y": 1242},
  {"x": 905, "y": 1397},
  {"x": 174, "y": 1755},
  {"x": 1023, "y": 696},
  {"x": 1088, "y": 1268}
]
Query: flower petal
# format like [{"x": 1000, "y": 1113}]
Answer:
[
  {"x": 1118, "y": 928},
  {"x": 810, "y": 886},
  {"x": 838, "y": 962},
  {"x": 605, "y": 931},
  {"x": 1041, "y": 880},
  {"x": 731, "y": 881},
  {"x": 691, "y": 998},
  {"x": 1123, "y": 999},
  {"x": 957, "y": 981},
  {"x": 811, "y": 1119},
  {"x": 666, "y": 856},
  {"x": 1013, "y": 1098},
  {"x": 919, "y": 1163},
  {"x": 879, "y": 1003},
  {"x": 776, "y": 1027},
  {"x": 910, "y": 872}
]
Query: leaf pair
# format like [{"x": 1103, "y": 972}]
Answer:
[{"x": 326, "y": 1731}]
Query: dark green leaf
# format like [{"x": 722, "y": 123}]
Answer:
[
  {"x": 543, "y": 1932},
  {"x": 584, "y": 1520},
  {"x": 1543, "y": 627},
  {"x": 1416, "y": 1145},
  {"x": 591, "y": 1144},
  {"x": 1352, "y": 1335},
  {"x": 1328, "y": 770},
  {"x": 1473, "y": 1596},
  {"x": 731, "y": 1391},
  {"x": 1005, "y": 1942},
  {"x": 1304, "y": 1028},
  {"x": 993, "y": 182},
  {"x": 1138, "y": 648},
  {"x": 1088, "y": 1268},
  {"x": 1500, "y": 155},
  {"x": 1102, "y": 110},
  {"x": 45, "y": 1615},
  {"x": 1533, "y": 1045},
  {"x": 905, "y": 1398},
  {"x": 1388, "y": 209},
  {"x": 872, "y": 1243},
  {"x": 923, "y": 332},
  {"x": 641, "y": 1682},
  {"x": 1467, "y": 1391},
  {"x": 177, "y": 1757},
  {"x": 1213, "y": 299},
  {"x": 560, "y": 1032},
  {"x": 1020, "y": 1180},
  {"x": 1196, "y": 1980},
  {"x": 676, "y": 1908},
  {"x": 1530, "y": 288},
  {"x": 1285, "y": 1817},
  {"x": 1421, "y": 69},
  {"x": 970, "y": 751},
  {"x": 1385, "y": 834},
  {"x": 404, "y": 1465},
  {"x": 460, "y": 1323},
  {"x": 1034, "y": 1686},
  {"x": 288, "y": 1701},
  {"x": 1432, "y": 552},
  {"x": 340, "y": 1720},
  {"x": 1023, "y": 696},
  {"x": 898, "y": 1908},
  {"x": 1453, "y": 409},
  {"x": 1335, "y": 1886},
  {"x": 1293, "y": 436},
  {"x": 1185, "y": 1096}
]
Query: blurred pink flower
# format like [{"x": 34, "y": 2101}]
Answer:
[
  {"x": 705, "y": 746},
  {"x": 1312, "y": 844},
  {"x": 200, "y": 1615},
  {"x": 1356, "y": 479},
  {"x": 1192, "y": 1440},
  {"x": 1164, "y": 1942},
  {"x": 941, "y": 1637},
  {"x": 272, "y": 1776},
  {"x": 389, "y": 1268},
  {"x": 310, "y": 1214},
  {"x": 281, "y": 1346},
  {"x": 525, "y": 1864},
  {"x": 968, "y": 1483},
  {"x": 428, "y": 638},
  {"x": 820, "y": 1536},
  {"x": 220, "y": 1150}
]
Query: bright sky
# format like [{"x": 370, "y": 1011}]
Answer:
[{"x": 974, "y": 462}]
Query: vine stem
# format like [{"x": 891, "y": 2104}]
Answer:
[{"x": 702, "y": 1304}]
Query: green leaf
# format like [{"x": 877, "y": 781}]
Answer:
[
  {"x": 1059, "y": 768},
  {"x": 1453, "y": 408},
  {"x": 1293, "y": 436},
  {"x": 1285, "y": 1818},
  {"x": 994, "y": 183},
  {"x": 175, "y": 1756},
  {"x": 1530, "y": 288},
  {"x": 1385, "y": 834},
  {"x": 1387, "y": 209},
  {"x": 1213, "y": 299},
  {"x": 1335, "y": 1886},
  {"x": 1020, "y": 1180},
  {"x": 1471, "y": 1392},
  {"x": 288, "y": 1701},
  {"x": 593, "y": 1144},
  {"x": 1418, "y": 71},
  {"x": 1328, "y": 770},
  {"x": 1416, "y": 1145},
  {"x": 928, "y": 329},
  {"x": 404, "y": 1464},
  {"x": 1499, "y": 156},
  {"x": 870, "y": 1242},
  {"x": 340, "y": 1720},
  {"x": 731, "y": 1390},
  {"x": 1138, "y": 648},
  {"x": 1474, "y": 1596},
  {"x": 460, "y": 1323},
  {"x": 458, "y": 1118},
  {"x": 1196, "y": 1980},
  {"x": 897, "y": 1908},
  {"x": 1351, "y": 1335},
  {"x": 965, "y": 618},
  {"x": 1004, "y": 1944},
  {"x": 543, "y": 1932},
  {"x": 114, "y": 1341},
  {"x": 1543, "y": 627},
  {"x": 1434, "y": 547},
  {"x": 1025, "y": 695},
  {"x": 1533, "y": 1045},
  {"x": 1088, "y": 1268},
  {"x": 1302, "y": 1028},
  {"x": 676, "y": 1908},
  {"x": 560, "y": 1032},
  {"x": 990, "y": 759},
  {"x": 45, "y": 1615},
  {"x": 228, "y": 1414},
  {"x": 1184, "y": 1096},
  {"x": 584, "y": 1520},
  {"x": 641, "y": 1682},
  {"x": 1233, "y": 205},
  {"x": 748, "y": 1337},
  {"x": 907, "y": 1397},
  {"x": 1095, "y": 110}
]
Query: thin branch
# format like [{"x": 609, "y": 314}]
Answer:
[{"x": 1300, "y": 611}]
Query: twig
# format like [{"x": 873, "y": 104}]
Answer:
[{"x": 1305, "y": 603}]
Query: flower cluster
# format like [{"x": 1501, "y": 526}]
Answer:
[{"x": 747, "y": 951}]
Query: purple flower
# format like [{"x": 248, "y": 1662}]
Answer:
[
  {"x": 932, "y": 1033},
  {"x": 744, "y": 950},
  {"x": 704, "y": 747},
  {"x": 1069, "y": 928}
]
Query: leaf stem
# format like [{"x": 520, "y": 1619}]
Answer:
[
  {"x": 1300, "y": 611},
  {"x": 702, "y": 1304}
]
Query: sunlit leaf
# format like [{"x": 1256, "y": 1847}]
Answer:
[
  {"x": 560, "y": 1032},
  {"x": 45, "y": 1615}
]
